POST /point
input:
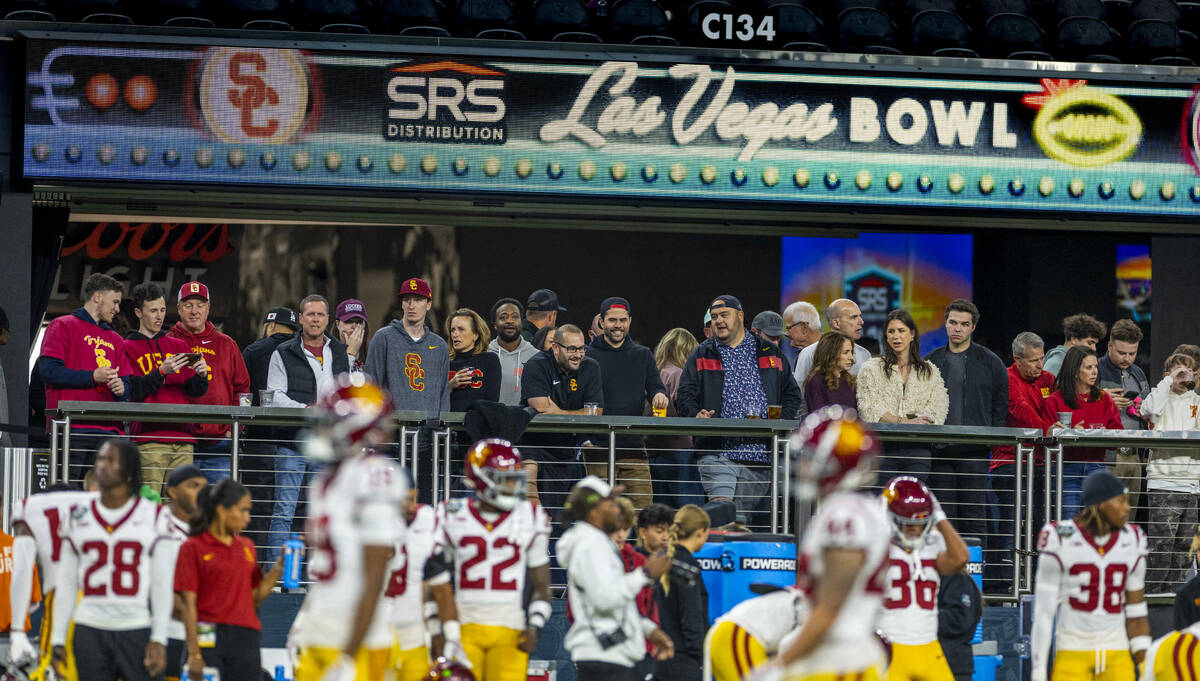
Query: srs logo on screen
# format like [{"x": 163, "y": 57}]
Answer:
[
  {"x": 445, "y": 101},
  {"x": 254, "y": 95}
]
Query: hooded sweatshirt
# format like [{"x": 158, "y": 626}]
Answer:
[
  {"x": 512, "y": 364},
  {"x": 630, "y": 379},
  {"x": 227, "y": 375},
  {"x": 1173, "y": 470},
  {"x": 73, "y": 347},
  {"x": 145, "y": 355},
  {"x": 414, "y": 371},
  {"x": 603, "y": 598}
]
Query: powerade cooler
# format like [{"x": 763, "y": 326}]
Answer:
[{"x": 731, "y": 564}]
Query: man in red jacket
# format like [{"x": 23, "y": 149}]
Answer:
[
  {"x": 149, "y": 350},
  {"x": 227, "y": 375},
  {"x": 1028, "y": 387}
]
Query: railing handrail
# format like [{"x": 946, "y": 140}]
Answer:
[{"x": 542, "y": 423}]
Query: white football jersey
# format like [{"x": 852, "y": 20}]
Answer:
[
  {"x": 769, "y": 618},
  {"x": 406, "y": 571},
  {"x": 47, "y": 516},
  {"x": 177, "y": 530},
  {"x": 847, "y": 520},
  {"x": 114, "y": 548},
  {"x": 1096, "y": 573},
  {"x": 358, "y": 505},
  {"x": 910, "y": 615},
  {"x": 490, "y": 558}
]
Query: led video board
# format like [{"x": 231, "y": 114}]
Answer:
[{"x": 329, "y": 120}]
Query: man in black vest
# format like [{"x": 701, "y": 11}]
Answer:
[{"x": 300, "y": 369}]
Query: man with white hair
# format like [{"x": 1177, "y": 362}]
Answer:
[
  {"x": 802, "y": 323},
  {"x": 845, "y": 318}
]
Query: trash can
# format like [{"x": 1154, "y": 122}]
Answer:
[{"x": 732, "y": 563}]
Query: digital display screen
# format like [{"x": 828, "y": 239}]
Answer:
[
  {"x": 1133, "y": 282},
  {"x": 278, "y": 116},
  {"x": 920, "y": 273}
]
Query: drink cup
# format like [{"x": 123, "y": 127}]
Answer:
[
  {"x": 266, "y": 398},
  {"x": 1064, "y": 417},
  {"x": 774, "y": 411},
  {"x": 591, "y": 408},
  {"x": 245, "y": 399},
  {"x": 660, "y": 412}
]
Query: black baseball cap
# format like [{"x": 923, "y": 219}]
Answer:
[
  {"x": 610, "y": 303},
  {"x": 725, "y": 301},
  {"x": 282, "y": 315},
  {"x": 184, "y": 472},
  {"x": 543, "y": 300}
]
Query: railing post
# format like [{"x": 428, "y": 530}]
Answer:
[
  {"x": 234, "y": 447},
  {"x": 437, "y": 451},
  {"x": 774, "y": 483},
  {"x": 1019, "y": 454},
  {"x": 404, "y": 446},
  {"x": 1029, "y": 496},
  {"x": 1058, "y": 476},
  {"x": 787, "y": 485},
  {"x": 54, "y": 445},
  {"x": 612, "y": 456},
  {"x": 66, "y": 440},
  {"x": 416, "y": 449},
  {"x": 9, "y": 462},
  {"x": 446, "y": 485}
]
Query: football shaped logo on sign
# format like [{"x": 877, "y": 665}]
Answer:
[{"x": 254, "y": 95}]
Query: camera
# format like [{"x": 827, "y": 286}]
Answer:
[{"x": 612, "y": 638}]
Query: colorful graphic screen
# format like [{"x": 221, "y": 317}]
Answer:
[
  {"x": 774, "y": 134},
  {"x": 881, "y": 272},
  {"x": 1133, "y": 282}
]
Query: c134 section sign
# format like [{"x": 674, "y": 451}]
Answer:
[{"x": 332, "y": 120}]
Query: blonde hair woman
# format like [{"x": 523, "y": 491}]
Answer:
[
  {"x": 683, "y": 607},
  {"x": 675, "y": 477}
]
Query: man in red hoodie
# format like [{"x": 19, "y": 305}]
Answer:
[
  {"x": 227, "y": 375},
  {"x": 1029, "y": 384},
  {"x": 148, "y": 351}
]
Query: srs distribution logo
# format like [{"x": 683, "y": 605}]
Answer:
[
  {"x": 254, "y": 95},
  {"x": 445, "y": 101}
]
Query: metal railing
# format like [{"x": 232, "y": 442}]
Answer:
[{"x": 1033, "y": 490}]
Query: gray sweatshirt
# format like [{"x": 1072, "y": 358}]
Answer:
[
  {"x": 415, "y": 372},
  {"x": 511, "y": 365}
]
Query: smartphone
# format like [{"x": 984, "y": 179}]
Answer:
[
  {"x": 192, "y": 357},
  {"x": 1130, "y": 394}
]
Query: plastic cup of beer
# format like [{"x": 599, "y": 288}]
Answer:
[
  {"x": 774, "y": 411},
  {"x": 266, "y": 398},
  {"x": 752, "y": 415},
  {"x": 660, "y": 412},
  {"x": 591, "y": 408},
  {"x": 245, "y": 399},
  {"x": 1064, "y": 417}
]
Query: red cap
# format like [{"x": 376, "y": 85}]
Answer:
[
  {"x": 415, "y": 287},
  {"x": 193, "y": 289}
]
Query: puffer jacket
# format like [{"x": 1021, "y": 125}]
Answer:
[
  {"x": 1176, "y": 470},
  {"x": 879, "y": 394}
]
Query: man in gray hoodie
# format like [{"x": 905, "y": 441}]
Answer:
[{"x": 409, "y": 359}]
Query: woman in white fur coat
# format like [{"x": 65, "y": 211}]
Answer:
[{"x": 901, "y": 387}]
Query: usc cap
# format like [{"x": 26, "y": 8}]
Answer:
[
  {"x": 193, "y": 289},
  {"x": 416, "y": 287}
]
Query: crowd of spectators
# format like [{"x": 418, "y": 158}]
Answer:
[{"x": 523, "y": 356}]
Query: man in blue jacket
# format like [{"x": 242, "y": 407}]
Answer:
[{"x": 735, "y": 375}]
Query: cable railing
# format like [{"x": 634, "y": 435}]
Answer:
[{"x": 1045, "y": 474}]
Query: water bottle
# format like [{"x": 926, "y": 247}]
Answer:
[
  {"x": 293, "y": 556},
  {"x": 280, "y": 673}
]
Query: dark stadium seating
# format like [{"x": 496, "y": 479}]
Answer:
[
  {"x": 1086, "y": 39},
  {"x": 644, "y": 21},
  {"x": 866, "y": 29},
  {"x": 941, "y": 34}
]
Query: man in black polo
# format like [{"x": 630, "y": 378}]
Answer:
[
  {"x": 560, "y": 380},
  {"x": 631, "y": 379},
  {"x": 541, "y": 310},
  {"x": 301, "y": 369}
]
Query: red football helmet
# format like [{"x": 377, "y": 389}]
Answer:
[
  {"x": 835, "y": 452},
  {"x": 493, "y": 469},
  {"x": 448, "y": 670},
  {"x": 352, "y": 414},
  {"x": 909, "y": 504}
]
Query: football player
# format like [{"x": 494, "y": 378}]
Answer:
[
  {"x": 743, "y": 638},
  {"x": 413, "y": 575},
  {"x": 924, "y": 546},
  {"x": 116, "y": 557},
  {"x": 1091, "y": 575},
  {"x": 843, "y": 555},
  {"x": 38, "y": 523},
  {"x": 341, "y": 632},
  {"x": 1174, "y": 657},
  {"x": 497, "y": 543}
]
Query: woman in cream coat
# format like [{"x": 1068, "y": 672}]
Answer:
[{"x": 901, "y": 387}]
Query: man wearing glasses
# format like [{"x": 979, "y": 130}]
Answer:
[{"x": 561, "y": 380}]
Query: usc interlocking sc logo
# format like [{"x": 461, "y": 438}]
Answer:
[
  {"x": 574, "y": 385},
  {"x": 412, "y": 369},
  {"x": 254, "y": 95}
]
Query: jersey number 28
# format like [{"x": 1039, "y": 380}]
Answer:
[{"x": 125, "y": 557}]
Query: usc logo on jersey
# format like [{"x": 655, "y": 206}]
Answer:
[
  {"x": 574, "y": 385},
  {"x": 412, "y": 369}
]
